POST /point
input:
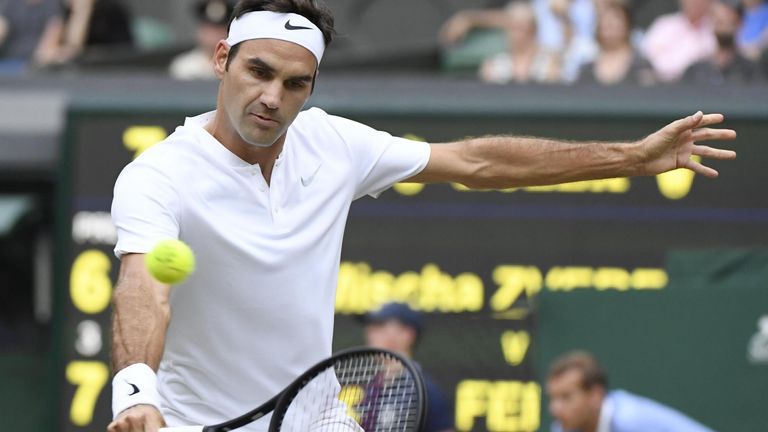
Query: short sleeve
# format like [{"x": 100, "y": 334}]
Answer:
[
  {"x": 145, "y": 209},
  {"x": 380, "y": 160}
]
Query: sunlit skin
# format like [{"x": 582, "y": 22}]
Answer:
[
  {"x": 576, "y": 408},
  {"x": 261, "y": 92}
]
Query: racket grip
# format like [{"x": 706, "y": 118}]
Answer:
[{"x": 182, "y": 429}]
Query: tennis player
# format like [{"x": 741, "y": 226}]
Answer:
[{"x": 260, "y": 190}]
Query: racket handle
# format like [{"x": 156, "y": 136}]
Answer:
[{"x": 182, "y": 429}]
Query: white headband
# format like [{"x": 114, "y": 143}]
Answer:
[{"x": 289, "y": 27}]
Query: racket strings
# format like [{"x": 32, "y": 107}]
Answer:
[{"x": 371, "y": 392}]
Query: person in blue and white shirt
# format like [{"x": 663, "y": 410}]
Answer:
[{"x": 580, "y": 401}]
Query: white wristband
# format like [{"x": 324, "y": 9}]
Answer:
[{"x": 134, "y": 385}]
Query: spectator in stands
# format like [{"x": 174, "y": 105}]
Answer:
[
  {"x": 568, "y": 27},
  {"x": 579, "y": 400},
  {"x": 564, "y": 32},
  {"x": 398, "y": 328},
  {"x": 753, "y": 35},
  {"x": 617, "y": 60},
  {"x": 85, "y": 26},
  {"x": 525, "y": 60},
  {"x": 678, "y": 40},
  {"x": 212, "y": 18},
  {"x": 23, "y": 24},
  {"x": 727, "y": 65}
]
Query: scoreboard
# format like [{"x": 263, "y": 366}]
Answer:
[{"x": 474, "y": 262}]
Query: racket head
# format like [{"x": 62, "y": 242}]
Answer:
[{"x": 358, "y": 389}]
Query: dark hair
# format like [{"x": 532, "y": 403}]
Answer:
[
  {"x": 313, "y": 10},
  {"x": 592, "y": 373}
]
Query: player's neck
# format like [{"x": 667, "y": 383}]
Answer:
[{"x": 265, "y": 157}]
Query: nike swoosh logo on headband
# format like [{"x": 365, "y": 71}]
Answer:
[{"x": 288, "y": 26}]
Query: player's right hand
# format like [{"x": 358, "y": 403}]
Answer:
[{"x": 139, "y": 418}]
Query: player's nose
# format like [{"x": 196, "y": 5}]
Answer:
[{"x": 272, "y": 95}]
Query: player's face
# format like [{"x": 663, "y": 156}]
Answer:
[
  {"x": 264, "y": 88},
  {"x": 572, "y": 405}
]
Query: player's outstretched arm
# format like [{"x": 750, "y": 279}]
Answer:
[
  {"x": 507, "y": 161},
  {"x": 140, "y": 316}
]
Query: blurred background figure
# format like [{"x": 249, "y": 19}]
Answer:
[
  {"x": 753, "y": 34},
  {"x": 617, "y": 60},
  {"x": 23, "y": 24},
  {"x": 87, "y": 27},
  {"x": 546, "y": 40},
  {"x": 678, "y": 40},
  {"x": 579, "y": 400},
  {"x": 568, "y": 28},
  {"x": 726, "y": 65},
  {"x": 212, "y": 19},
  {"x": 397, "y": 327},
  {"x": 525, "y": 59}
]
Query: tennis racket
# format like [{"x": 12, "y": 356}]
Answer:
[{"x": 359, "y": 389}]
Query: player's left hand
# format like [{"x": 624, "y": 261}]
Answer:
[{"x": 672, "y": 146}]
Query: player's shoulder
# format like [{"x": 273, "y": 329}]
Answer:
[
  {"x": 169, "y": 157},
  {"x": 316, "y": 119}
]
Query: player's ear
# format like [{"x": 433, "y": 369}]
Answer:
[{"x": 221, "y": 58}]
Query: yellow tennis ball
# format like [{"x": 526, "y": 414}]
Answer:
[{"x": 170, "y": 261}]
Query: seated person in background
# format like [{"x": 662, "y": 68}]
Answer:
[
  {"x": 568, "y": 27},
  {"x": 87, "y": 24},
  {"x": 23, "y": 24},
  {"x": 397, "y": 327},
  {"x": 727, "y": 65},
  {"x": 579, "y": 400},
  {"x": 525, "y": 60},
  {"x": 617, "y": 61},
  {"x": 753, "y": 35},
  {"x": 678, "y": 40},
  {"x": 564, "y": 29},
  {"x": 212, "y": 17}
]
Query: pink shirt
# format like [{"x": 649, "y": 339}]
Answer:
[{"x": 673, "y": 43}]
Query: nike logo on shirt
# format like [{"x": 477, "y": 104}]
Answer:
[
  {"x": 288, "y": 26},
  {"x": 307, "y": 180}
]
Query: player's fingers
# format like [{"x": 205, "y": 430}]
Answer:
[
  {"x": 713, "y": 153},
  {"x": 708, "y": 134},
  {"x": 698, "y": 168},
  {"x": 711, "y": 119},
  {"x": 677, "y": 127},
  {"x": 120, "y": 425}
]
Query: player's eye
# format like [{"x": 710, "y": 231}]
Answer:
[
  {"x": 259, "y": 72},
  {"x": 296, "y": 84}
]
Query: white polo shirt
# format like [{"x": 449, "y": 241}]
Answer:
[{"x": 258, "y": 310}]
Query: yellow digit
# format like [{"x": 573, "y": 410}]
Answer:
[
  {"x": 352, "y": 395},
  {"x": 140, "y": 138},
  {"x": 89, "y": 377},
  {"x": 89, "y": 284}
]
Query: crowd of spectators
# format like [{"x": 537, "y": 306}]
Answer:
[
  {"x": 705, "y": 41},
  {"x": 540, "y": 41}
]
